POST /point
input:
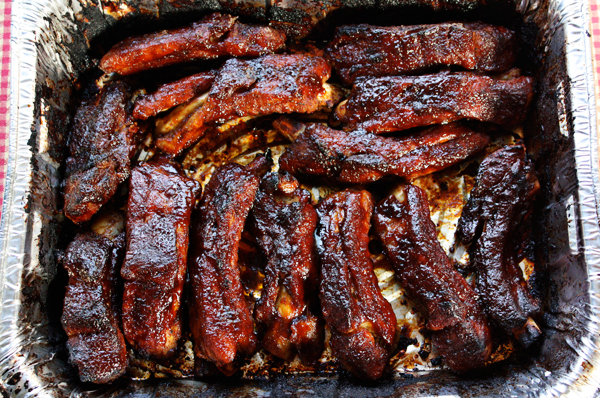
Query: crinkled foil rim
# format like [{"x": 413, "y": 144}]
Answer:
[{"x": 27, "y": 367}]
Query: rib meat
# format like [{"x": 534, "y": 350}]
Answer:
[
  {"x": 250, "y": 88},
  {"x": 101, "y": 145},
  {"x": 374, "y": 51},
  {"x": 158, "y": 217},
  {"x": 220, "y": 318},
  {"x": 172, "y": 94},
  {"x": 401, "y": 102},
  {"x": 91, "y": 316},
  {"x": 501, "y": 199},
  {"x": 283, "y": 222},
  {"x": 359, "y": 157},
  {"x": 362, "y": 323},
  {"x": 216, "y": 35},
  {"x": 460, "y": 330}
]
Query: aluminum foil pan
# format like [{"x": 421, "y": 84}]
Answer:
[{"x": 54, "y": 43}]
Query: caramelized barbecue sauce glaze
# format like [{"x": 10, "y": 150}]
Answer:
[
  {"x": 460, "y": 329},
  {"x": 282, "y": 367},
  {"x": 249, "y": 88},
  {"x": 283, "y": 221},
  {"x": 401, "y": 102},
  {"x": 216, "y": 35},
  {"x": 374, "y": 51},
  {"x": 220, "y": 317},
  {"x": 362, "y": 323},
  {"x": 358, "y": 157},
  {"x": 159, "y": 208}
]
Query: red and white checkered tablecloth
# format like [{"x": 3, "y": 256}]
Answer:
[
  {"x": 5, "y": 10},
  {"x": 5, "y": 17}
]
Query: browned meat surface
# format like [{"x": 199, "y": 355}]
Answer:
[
  {"x": 401, "y": 102},
  {"x": 502, "y": 197},
  {"x": 101, "y": 145},
  {"x": 256, "y": 87},
  {"x": 158, "y": 218},
  {"x": 449, "y": 5},
  {"x": 460, "y": 330},
  {"x": 172, "y": 94},
  {"x": 366, "y": 50},
  {"x": 216, "y": 35},
  {"x": 91, "y": 316},
  {"x": 362, "y": 323},
  {"x": 359, "y": 157},
  {"x": 283, "y": 222},
  {"x": 220, "y": 318}
]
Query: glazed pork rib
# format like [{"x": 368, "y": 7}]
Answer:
[
  {"x": 374, "y": 51},
  {"x": 91, "y": 316},
  {"x": 214, "y": 36},
  {"x": 361, "y": 321},
  {"x": 171, "y": 94},
  {"x": 158, "y": 218},
  {"x": 460, "y": 330},
  {"x": 250, "y": 88},
  {"x": 101, "y": 145},
  {"x": 359, "y": 157},
  {"x": 401, "y": 102},
  {"x": 283, "y": 222},
  {"x": 501, "y": 199},
  {"x": 220, "y": 318}
]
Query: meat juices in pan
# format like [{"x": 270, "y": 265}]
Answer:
[
  {"x": 220, "y": 318},
  {"x": 460, "y": 329},
  {"x": 360, "y": 157},
  {"x": 250, "y": 88},
  {"x": 91, "y": 316},
  {"x": 401, "y": 102},
  {"x": 501, "y": 199},
  {"x": 101, "y": 145},
  {"x": 374, "y": 51},
  {"x": 215, "y": 36},
  {"x": 362, "y": 322},
  {"x": 283, "y": 222},
  {"x": 172, "y": 94},
  {"x": 160, "y": 204}
]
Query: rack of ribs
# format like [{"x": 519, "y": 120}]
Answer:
[
  {"x": 459, "y": 327},
  {"x": 250, "y": 88},
  {"x": 395, "y": 103},
  {"x": 362, "y": 323},
  {"x": 101, "y": 145},
  {"x": 158, "y": 218},
  {"x": 171, "y": 94},
  {"x": 366, "y": 50},
  {"x": 283, "y": 222},
  {"x": 216, "y": 35},
  {"x": 501, "y": 199},
  {"x": 220, "y": 317},
  {"x": 91, "y": 315},
  {"x": 359, "y": 157}
]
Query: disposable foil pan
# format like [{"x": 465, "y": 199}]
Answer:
[{"x": 49, "y": 47}]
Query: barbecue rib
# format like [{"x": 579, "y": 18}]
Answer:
[
  {"x": 374, "y": 51},
  {"x": 91, "y": 315},
  {"x": 501, "y": 199},
  {"x": 216, "y": 35},
  {"x": 220, "y": 318},
  {"x": 250, "y": 88},
  {"x": 101, "y": 145},
  {"x": 361, "y": 321},
  {"x": 359, "y": 157},
  {"x": 460, "y": 330},
  {"x": 283, "y": 222},
  {"x": 172, "y": 94},
  {"x": 158, "y": 217},
  {"x": 401, "y": 102}
]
